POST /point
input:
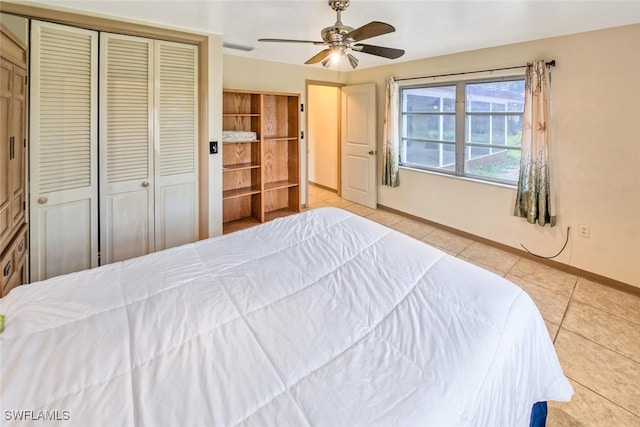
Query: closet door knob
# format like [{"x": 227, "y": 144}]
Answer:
[
  {"x": 145, "y": 184},
  {"x": 43, "y": 200}
]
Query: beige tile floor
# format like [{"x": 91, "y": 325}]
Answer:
[{"x": 595, "y": 329}]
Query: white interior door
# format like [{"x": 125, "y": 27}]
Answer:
[
  {"x": 63, "y": 135},
  {"x": 126, "y": 147},
  {"x": 359, "y": 144},
  {"x": 176, "y": 127}
]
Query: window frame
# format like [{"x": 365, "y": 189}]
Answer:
[{"x": 460, "y": 116}]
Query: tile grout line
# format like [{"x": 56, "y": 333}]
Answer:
[
  {"x": 608, "y": 312},
  {"x": 599, "y": 344},
  {"x": 566, "y": 309},
  {"x": 604, "y": 397}
]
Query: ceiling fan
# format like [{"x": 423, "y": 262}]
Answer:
[{"x": 340, "y": 39}]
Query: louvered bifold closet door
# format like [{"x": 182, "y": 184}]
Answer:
[
  {"x": 176, "y": 128},
  {"x": 63, "y": 138},
  {"x": 126, "y": 147}
]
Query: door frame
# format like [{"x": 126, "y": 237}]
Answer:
[{"x": 338, "y": 108}]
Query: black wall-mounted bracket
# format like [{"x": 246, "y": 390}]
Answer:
[{"x": 213, "y": 147}]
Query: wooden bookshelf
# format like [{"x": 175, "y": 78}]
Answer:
[{"x": 261, "y": 177}]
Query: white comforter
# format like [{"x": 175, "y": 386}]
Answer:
[{"x": 323, "y": 319}]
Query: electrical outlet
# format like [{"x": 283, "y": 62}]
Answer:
[{"x": 584, "y": 231}]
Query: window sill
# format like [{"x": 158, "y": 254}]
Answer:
[{"x": 462, "y": 178}]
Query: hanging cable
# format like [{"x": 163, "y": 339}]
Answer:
[{"x": 549, "y": 257}]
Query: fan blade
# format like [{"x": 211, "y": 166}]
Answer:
[
  {"x": 372, "y": 29},
  {"x": 289, "y": 41},
  {"x": 319, "y": 57},
  {"x": 385, "y": 52}
]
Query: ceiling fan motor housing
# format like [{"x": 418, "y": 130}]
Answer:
[
  {"x": 335, "y": 34},
  {"x": 338, "y": 5}
]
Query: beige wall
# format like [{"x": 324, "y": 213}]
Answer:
[
  {"x": 17, "y": 25},
  {"x": 596, "y": 147},
  {"x": 595, "y": 134},
  {"x": 322, "y": 134},
  {"x": 214, "y": 164},
  {"x": 254, "y": 74}
]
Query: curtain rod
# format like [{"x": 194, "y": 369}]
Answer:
[{"x": 551, "y": 63}]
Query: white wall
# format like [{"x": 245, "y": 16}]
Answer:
[
  {"x": 322, "y": 134},
  {"x": 595, "y": 136}
]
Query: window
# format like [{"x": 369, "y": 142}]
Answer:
[{"x": 477, "y": 137}]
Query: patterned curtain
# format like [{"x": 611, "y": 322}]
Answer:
[
  {"x": 534, "y": 200},
  {"x": 390, "y": 144}
]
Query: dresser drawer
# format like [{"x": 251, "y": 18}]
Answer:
[
  {"x": 7, "y": 267},
  {"x": 13, "y": 262},
  {"x": 20, "y": 245}
]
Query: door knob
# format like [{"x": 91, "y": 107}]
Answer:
[
  {"x": 43, "y": 200},
  {"x": 145, "y": 184},
  {"x": 372, "y": 152}
]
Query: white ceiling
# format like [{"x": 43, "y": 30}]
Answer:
[{"x": 423, "y": 28}]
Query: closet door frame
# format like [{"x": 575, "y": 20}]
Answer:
[{"x": 209, "y": 205}]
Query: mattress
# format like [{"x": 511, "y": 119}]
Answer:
[{"x": 323, "y": 318}]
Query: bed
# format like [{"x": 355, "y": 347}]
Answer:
[{"x": 322, "y": 318}]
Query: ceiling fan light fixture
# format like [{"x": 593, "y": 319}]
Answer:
[
  {"x": 336, "y": 56},
  {"x": 237, "y": 46},
  {"x": 352, "y": 60}
]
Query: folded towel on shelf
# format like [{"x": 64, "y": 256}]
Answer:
[{"x": 237, "y": 135}]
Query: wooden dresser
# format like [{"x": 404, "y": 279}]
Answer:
[{"x": 13, "y": 108}]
